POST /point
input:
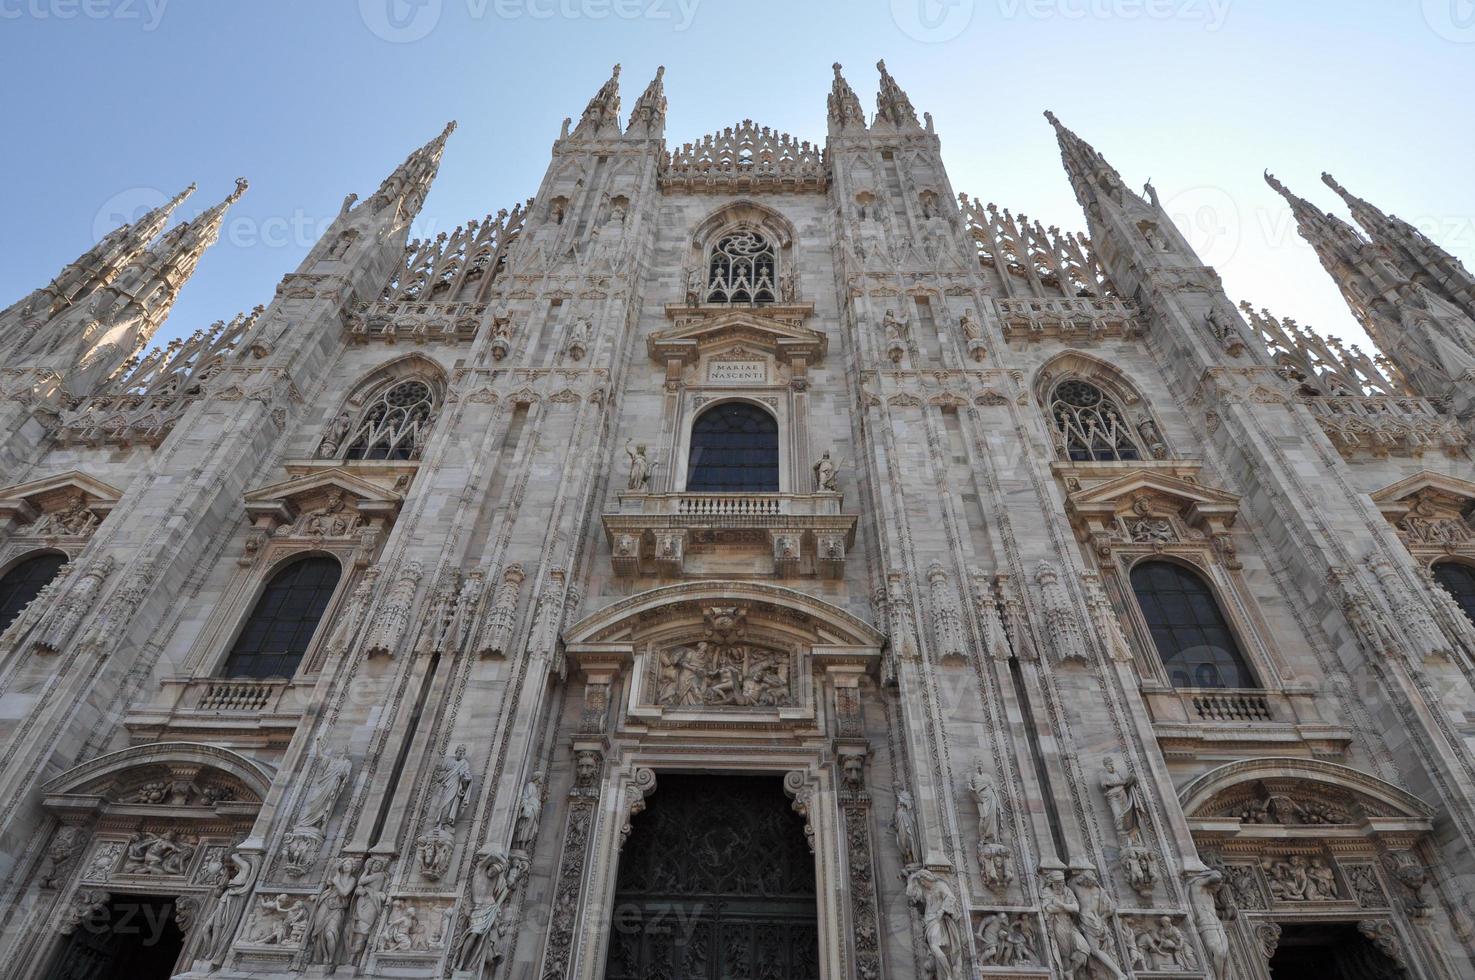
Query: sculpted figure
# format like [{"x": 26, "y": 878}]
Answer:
[
  {"x": 940, "y": 912},
  {"x": 824, "y": 474},
  {"x": 368, "y": 900},
  {"x": 640, "y": 468},
  {"x": 894, "y": 327},
  {"x": 969, "y": 325},
  {"x": 1095, "y": 917},
  {"x": 1062, "y": 912},
  {"x": 324, "y": 791},
  {"x": 230, "y": 902},
  {"x": 453, "y": 789},
  {"x": 333, "y": 437},
  {"x": 904, "y": 823},
  {"x": 1203, "y": 889},
  {"x": 529, "y": 812},
  {"x": 985, "y": 793},
  {"x": 329, "y": 910},
  {"x": 1125, "y": 799},
  {"x": 476, "y": 948}
]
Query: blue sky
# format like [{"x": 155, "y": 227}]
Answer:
[{"x": 112, "y": 103}]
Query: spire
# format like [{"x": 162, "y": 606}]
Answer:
[
  {"x": 1429, "y": 339},
  {"x": 648, "y": 116},
  {"x": 410, "y": 182},
  {"x": 603, "y": 111},
  {"x": 96, "y": 267},
  {"x": 1417, "y": 257},
  {"x": 122, "y": 316},
  {"x": 844, "y": 105},
  {"x": 1089, "y": 173},
  {"x": 892, "y": 104}
]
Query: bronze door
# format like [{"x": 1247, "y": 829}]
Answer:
[{"x": 715, "y": 883}]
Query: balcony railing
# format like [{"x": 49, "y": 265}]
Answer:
[{"x": 1231, "y": 706}]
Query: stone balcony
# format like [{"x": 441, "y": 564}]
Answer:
[
  {"x": 675, "y": 534},
  {"x": 237, "y": 711},
  {"x": 1200, "y": 722}
]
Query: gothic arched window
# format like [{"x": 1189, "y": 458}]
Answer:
[
  {"x": 734, "y": 449},
  {"x": 282, "y": 624},
  {"x": 1458, "y": 580},
  {"x": 23, "y": 582},
  {"x": 1190, "y": 632},
  {"x": 1089, "y": 425},
  {"x": 394, "y": 423},
  {"x": 741, "y": 270}
]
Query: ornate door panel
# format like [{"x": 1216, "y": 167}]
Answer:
[{"x": 715, "y": 883}]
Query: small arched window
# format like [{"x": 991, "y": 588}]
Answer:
[
  {"x": 741, "y": 270},
  {"x": 395, "y": 422},
  {"x": 282, "y": 624},
  {"x": 1089, "y": 425},
  {"x": 734, "y": 449},
  {"x": 24, "y": 582},
  {"x": 1458, "y": 580},
  {"x": 1190, "y": 632}
]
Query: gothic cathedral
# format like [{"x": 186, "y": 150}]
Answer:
[{"x": 746, "y": 560}]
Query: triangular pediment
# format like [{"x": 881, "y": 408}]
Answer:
[
  {"x": 289, "y": 495},
  {"x": 777, "y": 330},
  {"x": 1146, "y": 488},
  {"x": 1423, "y": 483},
  {"x": 25, "y": 502}
]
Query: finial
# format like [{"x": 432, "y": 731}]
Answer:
[
  {"x": 616, "y": 72},
  {"x": 836, "y": 66},
  {"x": 1277, "y": 185}
]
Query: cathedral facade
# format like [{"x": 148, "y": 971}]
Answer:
[{"x": 746, "y": 559}]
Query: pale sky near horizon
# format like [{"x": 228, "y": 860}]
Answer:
[{"x": 114, "y": 104}]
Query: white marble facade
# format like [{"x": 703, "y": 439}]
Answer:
[{"x": 928, "y": 635}]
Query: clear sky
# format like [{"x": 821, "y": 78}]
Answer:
[{"x": 110, "y": 105}]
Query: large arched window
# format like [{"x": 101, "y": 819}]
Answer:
[
  {"x": 741, "y": 270},
  {"x": 22, "y": 583},
  {"x": 394, "y": 423},
  {"x": 1192, "y": 637},
  {"x": 285, "y": 618},
  {"x": 1089, "y": 425},
  {"x": 1458, "y": 580},
  {"x": 734, "y": 449}
]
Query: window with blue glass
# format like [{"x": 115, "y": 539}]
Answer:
[
  {"x": 281, "y": 627},
  {"x": 1192, "y": 637},
  {"x": 734, "y": 449}
]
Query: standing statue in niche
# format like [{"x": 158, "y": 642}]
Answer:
[
  {"x": 230, "y": 904},
  {"x": 904, "y": 823},
  {"x": 985, "y": 793},
  {"x": 324, "y": 791},
  {"x": 894, "y": 326},
  {"x": 640, "y": 468},
  {"x": 453, "y": 789},
  {"x": 1124, "y": 797},
  {"x": 529, "y": 813},
  {"x": 825, "y": 475}
]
